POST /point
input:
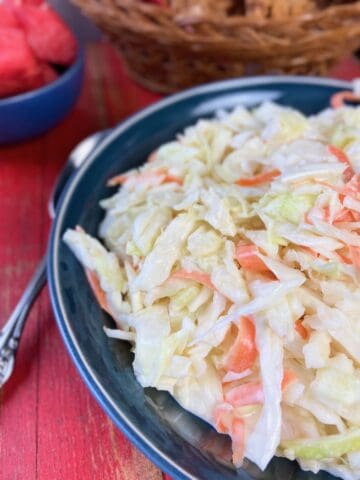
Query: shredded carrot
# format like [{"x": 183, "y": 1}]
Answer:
[
  {"x": 238, "y": 440},
  {"x": 251, "y": 393},
  {"x": 162, "y": 175},
  {"x": 243, "y": 352},
  {"x": 288, "y": 377},
  {"x": 315, "y": 254},
  {"x": 344, "y": 215},
  {"x": 78, "y": 228},
  {"x": 223, "y": 417},
  {"x": 339, "y": 154},
  {"x": 95, "y": 283},
  {"x": 356, "y": 216},
  {"x": 221, "y": 426},
  {"x": 329, "y": 185},
  {"x": 340, "y": 214},
  {"x": 343, "y": 158},
  {"x": 246, "y": 255},
  {"x": 325, "y": 214},
  {"x": 355, "y": 255},
  {"x": 245, "y": 394},
  {"x": 152, "y": 156},
  {"x": 307, "y": 219},
  {"x": 97, "y": 290},
  {"x": 226, "y": 422},
  {"x": 338, "y": 99},
  {"x": 301, "y": 330},
  {"x": 309, "y": 250},
  {"x": 352, "y": 188},
  {"x": 117, "y": 180},
  {"x": 343, "y": 256},
  {"x": 122, "y": 178},
  {"x": 344, "y": 259},
  {"x": 173, "y": 179},
  {"x": 258, "y": 179},
  {"x": 199, "y": 277}
]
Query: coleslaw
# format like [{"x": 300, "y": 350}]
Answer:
[{"x": 230, "y": 261}]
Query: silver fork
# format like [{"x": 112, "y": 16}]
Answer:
[{"x": 13, "y": 327}]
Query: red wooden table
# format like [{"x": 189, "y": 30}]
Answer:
[{"x": 50, "y": 426}]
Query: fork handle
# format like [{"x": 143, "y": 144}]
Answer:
[{"x": 12, "y": 329}]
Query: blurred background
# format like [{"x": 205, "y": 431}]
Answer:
[
  {"x": 162, "y": 45},
  {"x": 84, "y": 29}
]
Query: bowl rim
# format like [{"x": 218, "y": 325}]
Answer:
[
  {"x": 75, "y": 67},
  {"x": 163, "y": 461}
]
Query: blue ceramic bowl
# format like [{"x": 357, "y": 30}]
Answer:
[
  {"x": 175, "y": 440},
  {"x": 32, "y": 113}
]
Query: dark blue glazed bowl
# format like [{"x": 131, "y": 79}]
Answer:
[
  {"x": 32, "y": 113},
  {"x": 175, "y": 440}
]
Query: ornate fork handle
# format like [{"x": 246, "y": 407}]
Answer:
[{"x": 11, "y": 331}]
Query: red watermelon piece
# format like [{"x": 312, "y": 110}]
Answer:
[
  {"x": 47, "y": 34},
  {"x": 19, "y": 68},
  {"x": 12, "y": 3},
  {"x": 7, "y": 17},
  {"x": 32, "y": 2},
  {"x": 49, "y": 74}
]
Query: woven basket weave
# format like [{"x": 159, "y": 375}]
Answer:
[{"x": 166, "y": 53}]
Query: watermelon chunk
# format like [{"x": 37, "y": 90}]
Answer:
[
  {"x": 19, "y": 68},
  {"x": 49, "y": 74},
  {"x": 47, "y": 34},
  {"x": 32, "y": 2},
  {"x": 7, "y": 17}
]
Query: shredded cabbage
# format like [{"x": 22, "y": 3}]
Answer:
[{"x": 230, "y": 262}]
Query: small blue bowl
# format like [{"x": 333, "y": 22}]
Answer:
[{"x": 32, "y": 113}]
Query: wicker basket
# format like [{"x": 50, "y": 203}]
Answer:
[{"x": 166, "y": 51}]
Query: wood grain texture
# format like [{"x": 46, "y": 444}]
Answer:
[{"x": 50, "y": 426}]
